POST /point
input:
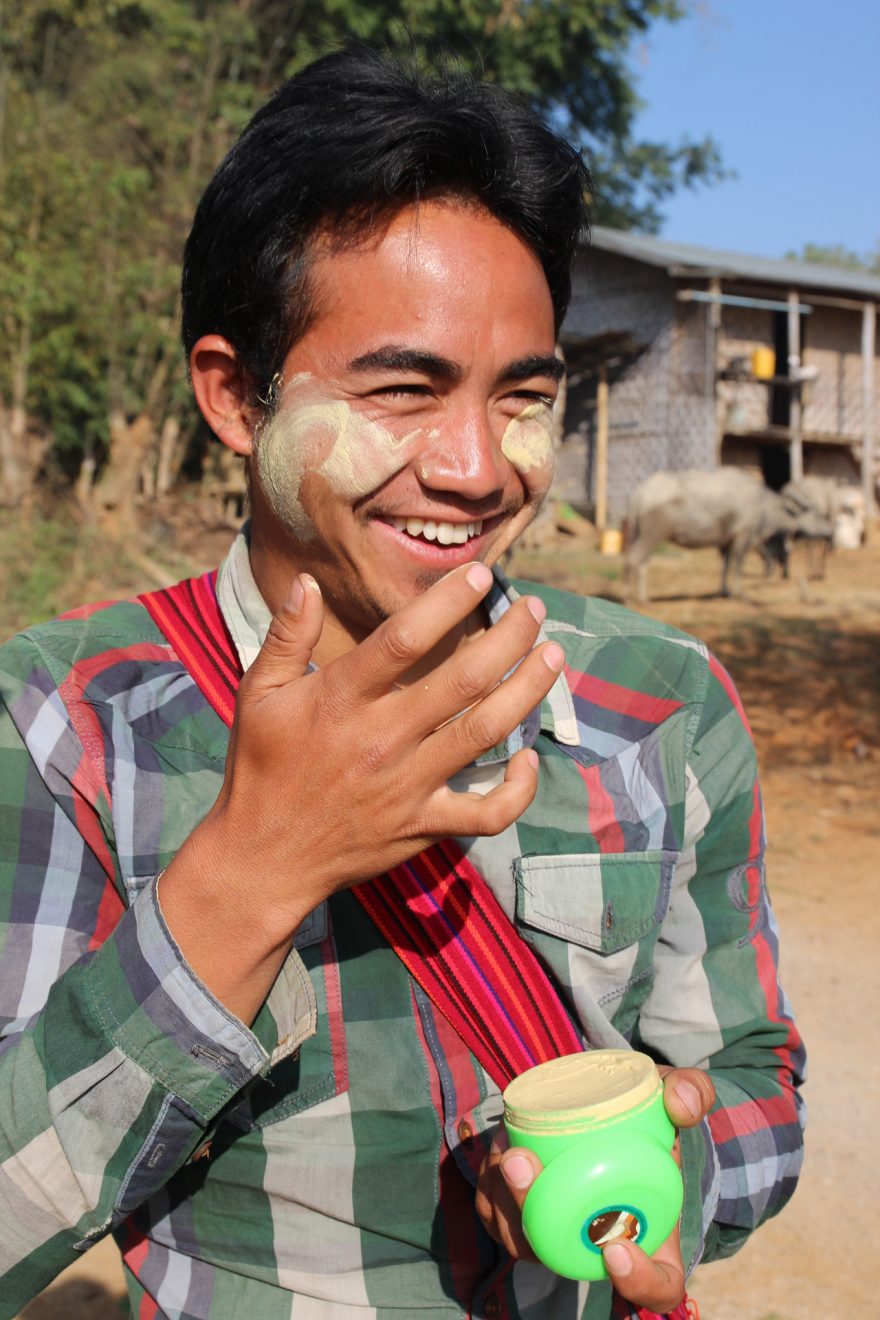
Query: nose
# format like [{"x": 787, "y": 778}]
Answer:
[{"x": 463, "y": 457}]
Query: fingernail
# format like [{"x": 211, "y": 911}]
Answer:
[
  {"x": 689, "y": 1097},
  {"x": 296, "y": 597},
  {"x": 479, "y": 576},
  {"x": 537, "y": 608},
  {"x": 554, "y": 657},
  {"x": 518, "y": 1171},
  {"x": 617, "y": 1259},
  {"x": 532, "y": 758}
]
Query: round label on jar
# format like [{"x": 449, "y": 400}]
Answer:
[{"x": 615, "y": 1223}]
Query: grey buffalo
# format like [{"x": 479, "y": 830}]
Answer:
[
  {"x": 840, "y": 506},
  {"x": 727, "y": 508}
]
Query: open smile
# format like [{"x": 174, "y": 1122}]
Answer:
[
  {"x": 445, "y": 533},
  {"x": 438, "y": 541}
]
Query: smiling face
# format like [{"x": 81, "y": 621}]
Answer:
[{"x": 413, "y": 426}]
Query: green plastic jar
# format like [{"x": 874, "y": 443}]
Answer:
[{"x": 598, "y": 1124}]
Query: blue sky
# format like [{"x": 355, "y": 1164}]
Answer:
[{"x": 790, "y": 90}]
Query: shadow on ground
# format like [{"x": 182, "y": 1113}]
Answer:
[{"x": 79, "y": 1299}]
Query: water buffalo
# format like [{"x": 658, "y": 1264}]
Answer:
[
  {"x": 841, "y": 506},
  {"x": 726, "y": 508}
]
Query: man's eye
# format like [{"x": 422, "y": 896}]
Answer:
[
  {"x": 534, "y": 396},
  {"x": 401, "y": 389}
]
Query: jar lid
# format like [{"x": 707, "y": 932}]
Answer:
[{"x": 580, "y": 1090}]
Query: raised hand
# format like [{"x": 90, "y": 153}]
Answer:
[{"x": 334, "y": 776}]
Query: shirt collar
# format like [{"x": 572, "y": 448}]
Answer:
[{"x": 248, "y": 617}]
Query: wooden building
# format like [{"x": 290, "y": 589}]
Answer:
[{"x": 687, "y": 357}]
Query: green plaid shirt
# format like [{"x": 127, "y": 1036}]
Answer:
[{"x": 321, "y": 1164}]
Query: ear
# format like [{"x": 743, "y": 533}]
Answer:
[{"x": 220, "y": 392}]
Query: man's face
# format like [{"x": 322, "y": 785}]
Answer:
[{"x": 413, "y": 429}]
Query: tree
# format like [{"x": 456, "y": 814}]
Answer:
[
  {"x": 835, "y": 254},
  {"x": 113, "y": 114}
]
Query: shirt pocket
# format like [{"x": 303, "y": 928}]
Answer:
[
  {"x": 318, "y": 1070},
  {"x": 595, "y": 919}
]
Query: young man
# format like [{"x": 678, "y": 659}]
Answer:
[{"x": 212, "y": 1050}]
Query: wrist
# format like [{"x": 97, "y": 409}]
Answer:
[{"x": 227, "y": 924}]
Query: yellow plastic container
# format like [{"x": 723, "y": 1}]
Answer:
[{"x": 763, "y": 363}]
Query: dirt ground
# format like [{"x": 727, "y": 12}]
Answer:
[{"x": 806, "y": 659}]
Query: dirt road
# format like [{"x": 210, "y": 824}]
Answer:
[{"x": 809, "y": 673}]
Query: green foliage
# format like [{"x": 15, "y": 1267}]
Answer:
[
  {"x": 835, "y": 254},
  {"x": 36, "y": 567},
  {"x": 113, "y": 113}
]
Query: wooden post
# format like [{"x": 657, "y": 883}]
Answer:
[
  {"x": 869, "y": 334},
  {"x": 795, "y": 419},
  {"x": 602, "y": 450},
  {"x": 710, "y": 387}
]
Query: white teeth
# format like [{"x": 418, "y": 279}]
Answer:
[{"x": 446, "y": 533}]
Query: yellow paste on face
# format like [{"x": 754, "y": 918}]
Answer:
[
  {"x": 364, "y": 454},
  {"x": 353, "y": 454},
  {"x": 578, "y": 1088},
  {"x": 527, "y": 442},
  {"x": 356, "y": 455}
]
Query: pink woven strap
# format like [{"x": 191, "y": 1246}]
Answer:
[{"x": 447, "y": 927}]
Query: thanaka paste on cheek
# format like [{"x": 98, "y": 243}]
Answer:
[
  {"x": 281, "y": 458},
  {"x": 364, "y": 454},
  {"x": 353, "y": 454},
  {"x": 527, "y": 443}
]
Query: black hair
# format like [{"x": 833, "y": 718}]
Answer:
[{"x": 339, "y": 148}]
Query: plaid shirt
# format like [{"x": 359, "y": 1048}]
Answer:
[{"x": 320, "y": 1165}]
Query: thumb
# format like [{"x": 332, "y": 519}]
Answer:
[
  {"x": 293, "y": 635},
  {"x": 520, "y": 1168}
]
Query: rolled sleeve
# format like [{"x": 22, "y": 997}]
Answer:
[{"x": 156, "y": 1010}]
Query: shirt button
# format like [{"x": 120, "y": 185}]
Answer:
[
  {"x": 465, "y": 1132},
  {"x": 492, "y": 1307}
]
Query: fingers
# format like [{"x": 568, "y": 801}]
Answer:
[
  {"x": 502, "y": 1187},
  {"x": 475, "y": 669},
  {"x": 476, "y": 814},
  {"x": 656, "y": 1282},
  {"x": 293, "y": 635},
  {"x": 488, "y": 722},
  {"x": 688, "y": 1095},
  {"x": 402, "y": 640}
]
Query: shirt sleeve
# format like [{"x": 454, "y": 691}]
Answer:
[
  {"x": 114, "y": 1058},
  {"x": 717, "y": 1003}
]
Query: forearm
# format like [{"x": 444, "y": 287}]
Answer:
[
  {"x": 757, "y": 1130},
  {"x": 212, "y": 898},
  {"x": 106, "y": 1094}
]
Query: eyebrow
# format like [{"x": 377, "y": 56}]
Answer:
[{"x": 394, "y": 357}]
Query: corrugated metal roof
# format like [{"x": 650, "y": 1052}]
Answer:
[{"x": 703, "y": 261}]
